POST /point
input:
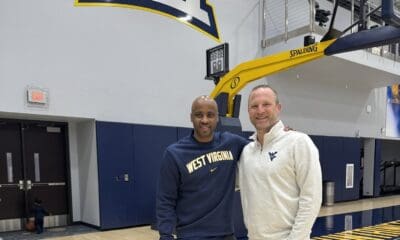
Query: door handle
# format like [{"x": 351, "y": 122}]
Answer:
[
  {"x": 123, "y": 178},
  {"x": 28, "y": 184},
  {"x": 21, "y": 184}
]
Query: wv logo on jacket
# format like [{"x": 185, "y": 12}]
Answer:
[
  {"x": 196, "y": 13},
  {"x": 272, "y": 155}
]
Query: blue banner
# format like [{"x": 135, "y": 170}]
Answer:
[{"x": 393, "y": 111}]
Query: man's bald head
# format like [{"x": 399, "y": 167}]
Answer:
[
  {"x": 204, "y": 99},
  {"x": 204, "y": 117}
]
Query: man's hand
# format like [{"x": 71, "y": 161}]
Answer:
[{"x": 288, "y": 128}]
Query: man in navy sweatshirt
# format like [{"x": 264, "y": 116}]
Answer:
[{"x": 197, "y": 180}]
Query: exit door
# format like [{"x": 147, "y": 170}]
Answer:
[
  {"x": 11, "y": 173},
  {"x": 32, "y": 165}
]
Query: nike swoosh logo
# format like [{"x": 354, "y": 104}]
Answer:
[{"x": 213, "y": 169}]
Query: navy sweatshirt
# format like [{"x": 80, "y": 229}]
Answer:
[
  {"x": 39, "y": 212},
  {"x": 196, "y": 187}
]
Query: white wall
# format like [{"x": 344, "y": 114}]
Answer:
[
  {"x": 87, "y": 173},
  {"x": 111, "y": 63},
  {"x": 74, "y": 169},
  {"x": 368, "y": 172}
]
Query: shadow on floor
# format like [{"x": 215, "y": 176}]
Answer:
[{"x": 48, "y": 233}]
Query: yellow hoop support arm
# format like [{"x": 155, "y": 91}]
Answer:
[{"x": 252, "y": 70}]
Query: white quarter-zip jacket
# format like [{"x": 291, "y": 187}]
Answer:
[{"x": 281, "y": 185}]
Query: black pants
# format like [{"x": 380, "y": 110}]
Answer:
[{"x": 39, "y": 225}]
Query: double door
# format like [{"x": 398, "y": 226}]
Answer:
[{"x": 32, "y": 166}]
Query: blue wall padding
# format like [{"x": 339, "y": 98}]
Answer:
[
  {"x": 335, "y": 153},
  {"x": 183, "y": 132},
  {"x": 115, "y": 155},
  {"x": 135, "y": 150},
  {"x": 352, "y": 154},
  {"x": 149, "y": 145}
]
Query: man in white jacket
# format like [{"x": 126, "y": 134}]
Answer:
[{"x": 279, "y": 175}]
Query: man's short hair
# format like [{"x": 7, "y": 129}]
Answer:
[{"x": 266, "y": 86}]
